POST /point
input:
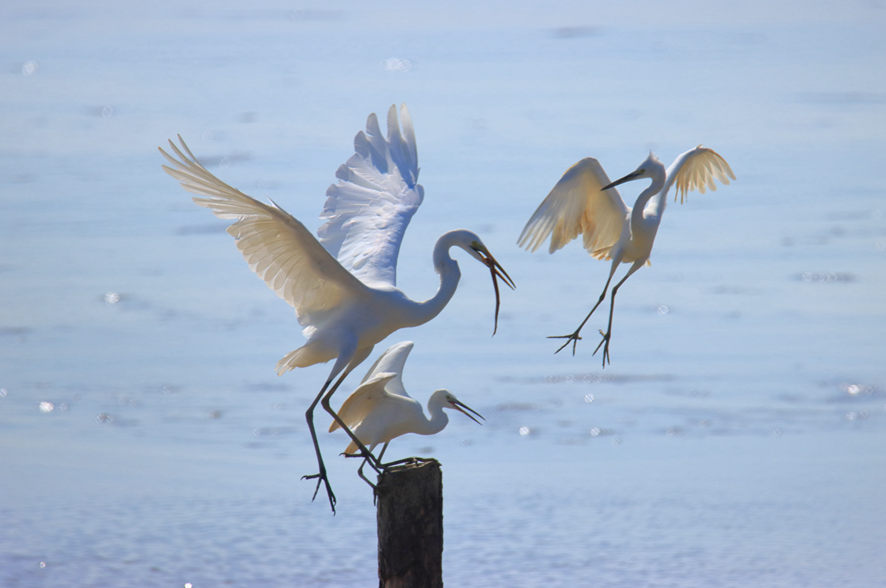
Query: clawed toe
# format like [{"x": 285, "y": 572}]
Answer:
[
  {"x": 321, "y": 477},
  {"x": 574, "y": 338},
  {"x": 605, "y": 344},
  {"x": 373, "y": 461}
]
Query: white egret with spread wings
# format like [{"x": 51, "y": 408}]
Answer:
[
  {"x": 342, "y": 286},
  {"x": 584, "y": 202},
  {"x": 380, "y": 409}
]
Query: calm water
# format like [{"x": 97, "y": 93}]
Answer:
[{"x": 737, "y": 438}]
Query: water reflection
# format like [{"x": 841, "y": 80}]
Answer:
[{"x": 826, "y": 277}]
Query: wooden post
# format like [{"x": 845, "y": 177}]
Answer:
[{"x": 410, "y": 526}]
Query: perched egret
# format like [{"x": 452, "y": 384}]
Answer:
[
  {"x": 584, "y": 201},
  {"x": 380, "y": 408},
  {"x": 342, "y": 286}
]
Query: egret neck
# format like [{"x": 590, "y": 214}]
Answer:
[{"x": 450, "y": 274}]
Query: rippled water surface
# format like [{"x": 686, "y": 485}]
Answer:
[{"x": 736, "y": 439}]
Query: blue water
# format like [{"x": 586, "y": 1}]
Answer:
[{"x": 736, "y": 439}]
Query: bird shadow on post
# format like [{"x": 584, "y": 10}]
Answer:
[{"x": 410, "y": 525}]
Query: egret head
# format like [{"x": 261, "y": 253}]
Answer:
[
  {"x": 471, "y": 243},
  {"x": 650, "y": 168},
  {"x": 450, "y": 401}
]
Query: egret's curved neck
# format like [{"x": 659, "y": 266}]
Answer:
[
  {"x": 436, "y": 423},
  {"x": 449, "y": 277},
  {"x": 655, "y": 194}
]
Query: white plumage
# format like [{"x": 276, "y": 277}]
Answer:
[
  {"x": 584, "y": 202},
  {"x": 380, "y": 409},
  {"x": 342, "y": 286}
]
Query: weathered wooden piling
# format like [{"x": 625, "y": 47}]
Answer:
[{"x": 410, "y": 526}]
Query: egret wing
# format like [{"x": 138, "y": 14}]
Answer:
[
  {"x": 368, "y": 210},
  {"x": 362, "y": 401},
  {"x": 278, "y": 248},
  {"x": 576, "y": 206},
  {"x": 696, "y": 170},
  {"x": 394, "y": 361}
]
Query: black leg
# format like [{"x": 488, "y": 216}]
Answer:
[
  {"x": 367, "y": 455},
  {"x": 608, "y": 334},
  {"x": 321, "y": 476},
  {"x": 574, "y": 338}
]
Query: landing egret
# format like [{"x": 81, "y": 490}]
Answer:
[
  {"x": 380, "y": 409},
  {"x": 342, "y": 286},
  {"x": 584, "y": 201}
]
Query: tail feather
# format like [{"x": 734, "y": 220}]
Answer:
[{"x": 294, "y": 359}]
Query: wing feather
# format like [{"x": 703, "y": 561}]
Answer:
[
  {"x": 369, "y": 208},
  {"x": 363, "y": 400},
  {"x": 577, "y": 205},
  {"x": 277, "y": 247},
  {"x": 389, "y": 368},
  {"x": 394, "y": 361},
  {"x": 696, "y": 170}
]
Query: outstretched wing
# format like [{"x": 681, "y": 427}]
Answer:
[
  {"x": 363, "y": 400},
  {"x": 394, "y": 361},
  {"x": 576, "y": 206},
  {"x": 278, "y": 248},
  {"x": 696, "y": 170},
  {"x": 368, "y": 210}
]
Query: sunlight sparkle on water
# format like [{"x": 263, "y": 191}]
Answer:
[
  {"x": 855, "y": 390},
  {"x": 46, "y": 406},
  {"x": 395, "y": 65}
]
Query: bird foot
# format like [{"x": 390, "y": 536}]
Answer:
[
  {"x": 574, "y": 338},
  {"x": 605, "y": 344},
  {"x": 385, "y": 467},
  {"x": 321, "y": 477},
  {"x": 373, "y": 461},
  {"x": 408, "y": 460}
]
